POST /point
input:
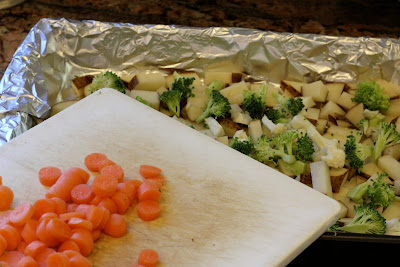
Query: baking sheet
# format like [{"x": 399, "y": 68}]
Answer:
[{"x": 219, "y": 207}]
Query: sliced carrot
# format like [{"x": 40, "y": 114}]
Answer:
[
  {"x": 104, "y": 185},
  {"x": 136, "y": 265},
  {"x": 148, "y": 210},
  {"x": 113, "y": 170},
  {"x": 60, "y": 206},
  {"x": 71, "y": 207},
  {"x": 148, "y": 257},
  {"x": 42, "y": 257},
  {"x": 95, "y": 215},
  {"x": 83, "y": 238},
  {"x": 96, "y": 200},
  {"x": 67, "y": 216},
  {"x": 82, "y": 194},
  {"x": 12, "y": 236},
  {"x": 79, "y": 261},
  {"x": 5, "y": 217},
  {"x": 148, "y": 171},
  {"x": 108, "y": 204},
  {"x": 148, "y": 190},
  {"x": 12, "y": 258},
  {"x": 42, "y": 206},
  {"x": 105, "y": 163},
  {"x": 93, "y": 160},
  {"x": 122, "y": 202},
  {"x": 6, "y": 197},
  {"x": 49, "y": 175},
  {"x": 28, "y": 233},
  {"x": 136, "y": 183},
  {"x": 59, "y": 229},
  {"x": 71, "y": 253},
  {"x": 80, "y": 223},
  {"x": 3, "y": 245},
  {"x": 44, "y": 236},
  {"x": 68, "y": 180},
  {"x": 68, "y": 245},
  {"x": 57, "y": 259},
  {"x": 129, "y": 189},
  {"x": 34, "y": 248},
  {"x": 82, "y": 208},
  {"x": 21, "y": 246},
  {"x": 22, "y": 213},
  {"x": 96, "y": 234},
  {"x": 104, "y": 220},
  {"x": 4, "y": 264},
  {"x": 116, "y": 226},
  {"x": 48, "y": 215},
  {"x": 27, "y": 261},
  {"x": 159, "y": 180}
]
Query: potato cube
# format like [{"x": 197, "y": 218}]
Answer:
[{"x": 317, "y": 90}]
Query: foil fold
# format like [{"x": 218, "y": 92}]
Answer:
[{"x": 56, "y": 50}]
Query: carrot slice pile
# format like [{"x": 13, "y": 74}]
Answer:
[{"x": 61, "y": 229}]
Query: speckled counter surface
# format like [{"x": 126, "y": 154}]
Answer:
[{"x": 340, "y": 17}]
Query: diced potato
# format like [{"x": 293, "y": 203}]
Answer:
[
  {"x": 338, "y": 177},
  {"x": 370, "y": 169},
  {"x": 389, "y": 165},
  {"x": 355, "y": 114},
  {"x": 321, "y": 179},
  {"x": 391, "y": 89},
  {"x": 294, "y": 88},
  {"x": 223, "y": 139},
  {"x": 321, "y": 125},
  {"x": 332, "y": 109},
  {"x": 393, "y": 110},
  {"x": 150, "y": 96},
  {"x": 340, "y": 133},
  {"x": 396, "y": 185},
  {"x": 215, "y": 127},
  {"x": 61, "y": 106},
  {"x": 230, "y": 127},
  {"x": 351, "y": 86},
  {"x": 266, "y": 131},
  {"x": 234, "y": 92},
  {"x": 308, "y": 102},
  {"x": 161, "y": 90},
  {"x": 312, "y": 113},
  {"x": 196, "y": 83},
  {"x": 393, "y": 151},
  {"x": 255, "y": 130},
  {"x": 86, "y": 90},
  {"x": 270, "y": 101},
  {"x": 367, "y": 142},
  {"x": 344, "y": 124},
  {"x": 317, "y": 90},
  {"x": 393, "y": 211},
  {"x": 238, "y": 115},
  {"x": 223, "y": 76},
  {"x": 334, "y": 91},
  {"x": 241, "y": 134},
  {"x": 343, "y": 209},
  {"x": 196, "y": 105},
  {"x": 147, "y": 81},
  {"x": 79, "y": 83},
  {"x": 345, "y": 101},
  {"x": 360, "y": 179}
]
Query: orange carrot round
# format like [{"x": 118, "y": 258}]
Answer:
[
  {"x": 82, "y": 208},
  {"x": 95, "y": 215},
  {"x": 3, "y": 245},
  {"x": 68, "y": 245},
  {"x": 12, "y": 258},
  {"x": 27, "y": 261},
  {"x": 5, "y": 217},
  {"x": 104, "y": 185},
  {"x": 96, "y": 200},
  {"x": 113, "y": 170},
  {"x": 80, "y": 223},
  {"x": 83, "y": 238},
  {"x": 104, "y": 163},
  {"x": 58, "y": 229},
  {"x": 108, "y": 204},
  {"x": 148, "y": 190},
  {"x": 116, "y": 226},
  {"x": 104, "y": 220},
  {"x": 49, "y": 175},
  {"x": 148, "y": 210},
  {"x": 67, "y": 181},
  {"x": 6, "y": 197},
  {"x": 96, "y": 234},
  {"x": 79, "y": 261},
  {"x": 67, "y": 216},
  {"x": 148, "y": 171},
  {"x": 60, "y": 206},
  {"x": 129, "y": 189},
  {"x": 159, "y": 180},
  {"x": 48, "y": 216},
  {"x": 12, "y": 236},
  {"x": 42, "y": 256},
  {"x": 93, "y": 160},
  {"x": 42, "y": 206},
  {"x": 148, "y": 257},
  {"x": 57, "y": 259},
  {"x": 44, "y": 236},
  {"x": 122, "y": 202},
  {"x": 82, "y": 194},
  {"x": 21, "y": 246},
  {"x": 34, "y": 248},
  {"x": 71, "y": 207},
  {"x": 22, "y": 213},
  {"x": 28, "y": 233}
]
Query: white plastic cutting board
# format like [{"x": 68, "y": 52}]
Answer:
[{"x": 219, "y": 207}]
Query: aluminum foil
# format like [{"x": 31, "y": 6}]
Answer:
[{"x": 55, "y": 51}]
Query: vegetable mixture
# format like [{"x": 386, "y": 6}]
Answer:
[{"x": 341, "y": 139}]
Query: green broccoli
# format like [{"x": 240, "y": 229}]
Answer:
[
  {"x": 290, "y": 105},
  {"x": 218, "y": 106},
  {"x": 144, "y": 101},
  {"x": 107, "y": 80},
  {"x": 387, "y": 136},
  {"x": 172, "y": 98},
  {"x": 254, "y": 102},
  {"x": 184, "y": 85},
  {"x": 276, "y": 116},
  {"x": 265, "y": 152},
  {"x": 304, "y": 148},
  {"x": 366, "y": 220},
  {"x": 244, "y": 146},
  {"x": 215, "y": 85},
  {"x": 380, "y": 193},
  {"x": 372, "y": 96},
  {"x": 356, "y": 153}
]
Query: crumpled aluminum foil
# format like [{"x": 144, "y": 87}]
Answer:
[{"x": 55, "y": 51}]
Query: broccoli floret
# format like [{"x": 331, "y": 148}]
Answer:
[
  {"x": 265, "y": 152},
  {"x": 254, "y": 102},
  {"x": 358, "y": 192},
  {"x": 356, "y": 153},
  {"x": 291, "y": 105},
  {"x": 380, "y": 193},
  {"x": 218, "y": 106},
  {"x": 144, "y": 101},
  {"x": 215, "y": 85},
  {"x": 304, "y": 148},
  {"x": 372, "y": 96},
  {"x": 244, "y": 146},
  {"x": 276, "y": 116},
  {"x": 172, "y": 98},
  {"x": 184, "y": 85},
  {"x": 387, "y": 136},
  {"x": 107, "y": 80},
  {"x": 366, "y": 220}
]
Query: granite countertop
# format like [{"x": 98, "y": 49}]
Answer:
[{"x": 340, "y": 17}]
